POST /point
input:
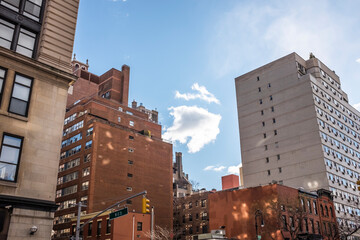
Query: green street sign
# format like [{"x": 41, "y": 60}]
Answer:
[
  {"x": 259, "y": 237},
  {"x": 119, "y": 213}
]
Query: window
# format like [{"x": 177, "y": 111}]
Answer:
[
  {"x": 259, "y": 89},
  {"x": 306, "y": 225},
  {"x": 131, "y": 137},
  {"x": 139, "y": 226},
  {"x": 303, "y": 204},
  {"x": 266, "y": 147},
  {"x": 271, "y": 97},
  {"x": 119, "y": 119},
  {"x": 264, "y": 135},
  {"x": 268, "y": 172},
  {"x": 129, "y": 189},
  {"x": 12, "y": 34},
  {"x": 85, "y": 186},
  {"x": 68, "y": 177},
  {"x": 87, "y": 158},
  {"x": 98, "y": 230},
  {"x": 269, "y": 85},
  {"x": 312, "y": 226},
  {"x": 2, "y": 80},
  {"x": 263, "y": 123},
  {"x": 108, "y": 226},
  {"x": 262, "y": 112},
  {"x": 68, "y": 165},
  {"x": 84, "y": 200},
  {"x": 278, "y": 157},
  {"x": 130, "y": 150},
  {"x": 131, "y": 123},
  {"x": 315, "y": 208},
  {"x": 20, "y": 96},
  {"x": 129, "y": 175},
  {"x": 86, "y": 171},
  {"x": 260, "y": 101},
  {"x": 10, "y": 157},
  {"x": 309, "y": 206},
  {"x": 275, "y": 132},
  {"x": 267, "y": 160},
  {"x": 280, "y": 170},
  {"x": 284, "y": 223},
  {"x": 272, "y": 109},
  {"x": 203, "y": 203},
  {"x": 130, "y": 162},
  {"x": 274, "y": 121},
  {"x": 66, "y": 191},
  {"x": 88, "y": 144},
  {"x": 258, "y": 78},
  {"x": 89, "y": 131},
  {"x": 90, "y": 229}
]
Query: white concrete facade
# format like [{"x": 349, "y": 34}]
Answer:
[{"x": 297, "y": 128}]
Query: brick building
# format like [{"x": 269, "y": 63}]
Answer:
[
  {"x": 130, "y": 226},
  {"x": 110, "y": 151},
  {"x": 279, "y": 212},
  {"x": 191, "y": 215},
  {"x": 36, "y": 42}
]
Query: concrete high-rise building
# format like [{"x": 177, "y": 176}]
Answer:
[
  {"x": 298, "y": 129},
  {"x": 181, "y": 184},
  {"x": 110, "y": 151},
  {"x": 36, "y": 42}
]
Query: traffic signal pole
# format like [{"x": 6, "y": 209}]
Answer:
[{"x": 78, "y": 227}]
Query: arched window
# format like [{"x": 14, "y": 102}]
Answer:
[
  {"x": 322, "y": 210},
  {"x": 326, "y": 211}
]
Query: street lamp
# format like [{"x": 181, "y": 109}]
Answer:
[{"x": 258, "y": 213}]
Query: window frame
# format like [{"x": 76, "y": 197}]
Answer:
[
  {"x": 30, "y": 93},
  {"x": 19, "y": 157},
  {"x": 3, "y": 83},
  {"x": 22, "y": 21}
]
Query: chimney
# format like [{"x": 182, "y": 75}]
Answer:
[
  {"x": 134, "y": 104},
  {"x": 179, "y": 164},
  {"x": 229, "y": 181}
]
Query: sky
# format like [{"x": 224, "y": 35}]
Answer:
[{"x": 184, "y": 56}]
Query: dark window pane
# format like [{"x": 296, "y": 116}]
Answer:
[
  {"x": 6, "y": 33},
  {"x": 18, "y": 107},
  {"x": 7, "y": 171},
  {"x": 32, "y": 10},
  {"x": 12, "y": 4}
]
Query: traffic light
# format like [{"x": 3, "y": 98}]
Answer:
[
  {"x": 145, "y": 205},
  {"x": 358, "y": 183}
]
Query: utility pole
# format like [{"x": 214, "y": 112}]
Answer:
[
  {"x": 152, "y": 223},
  {"x": 78, "y": 227},
  {"x": 78, "y": 220}
]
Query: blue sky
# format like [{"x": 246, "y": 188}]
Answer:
[{"x": 184, "y": 56}]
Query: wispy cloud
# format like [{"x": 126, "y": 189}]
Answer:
[
  {"x": 357, "y": 106},
  {"x": 234, "y": 169},
  {"x": 252, "y": 35},
  {"x": 358, "y": 60},
  {"x": 194, "y": 126},
  {"x": 213, "y": 168},
  {"x": 202, "y": 93}
]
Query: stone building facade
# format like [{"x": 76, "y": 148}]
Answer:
[{"x": 36, "y": 42}]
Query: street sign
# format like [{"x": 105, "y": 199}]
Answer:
[
  {"x": 259, "y": 237},
  {"x": 119, "y": 213}
]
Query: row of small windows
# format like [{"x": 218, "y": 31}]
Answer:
[
  {"x": 28, "y": 8},
  {"x": 21, "y": 92},
  {"x": 72, "y": 189},
  {"x": 342, "y": 169},
  {"x": 324, "y": 75},
  {"x": 347, "y": 223},
  {"x": 341, "y": 181},
  {"x": 344, "y": 195},
  {"x": 273, "y": 121},
  {"x": 267, "y": 159},
  {"x": 272, "y": 110},
  {"x": 269, "y": 171},
  {"x": 73, "y": 176},
  {"x": 276, "y": 144},
  {"x": 275, "y": 133},
  {"x": 73, "y": 117},
  {"x": 337, "y": 113},
  {"x": 73, "y": 128},
  {"x": 71, "y": 140},
  {"x": 346, "y": 209},
  {"x": 74, "y": 163},
  {"x": 342, "y": 107},
  {"x": 340, "y": 145},
  {"x": 336, "y": 93},
  {"x": 340, "y": 156}
]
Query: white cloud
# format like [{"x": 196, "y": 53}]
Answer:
[
  {"x": 358, "y": 60},
  {"x": 213, "y": 168},
  {"x": 357, "y": 106},
  {"x": 234, "y": 169},
  {"x": 194, "y": 126},
  {"x": 202, "y": 94}
]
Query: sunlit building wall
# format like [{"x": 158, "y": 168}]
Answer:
[
  {"x": 298, "y": 129},
  {"x": 36, "y": 43},
  {"x": 110, "y": 151}
]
